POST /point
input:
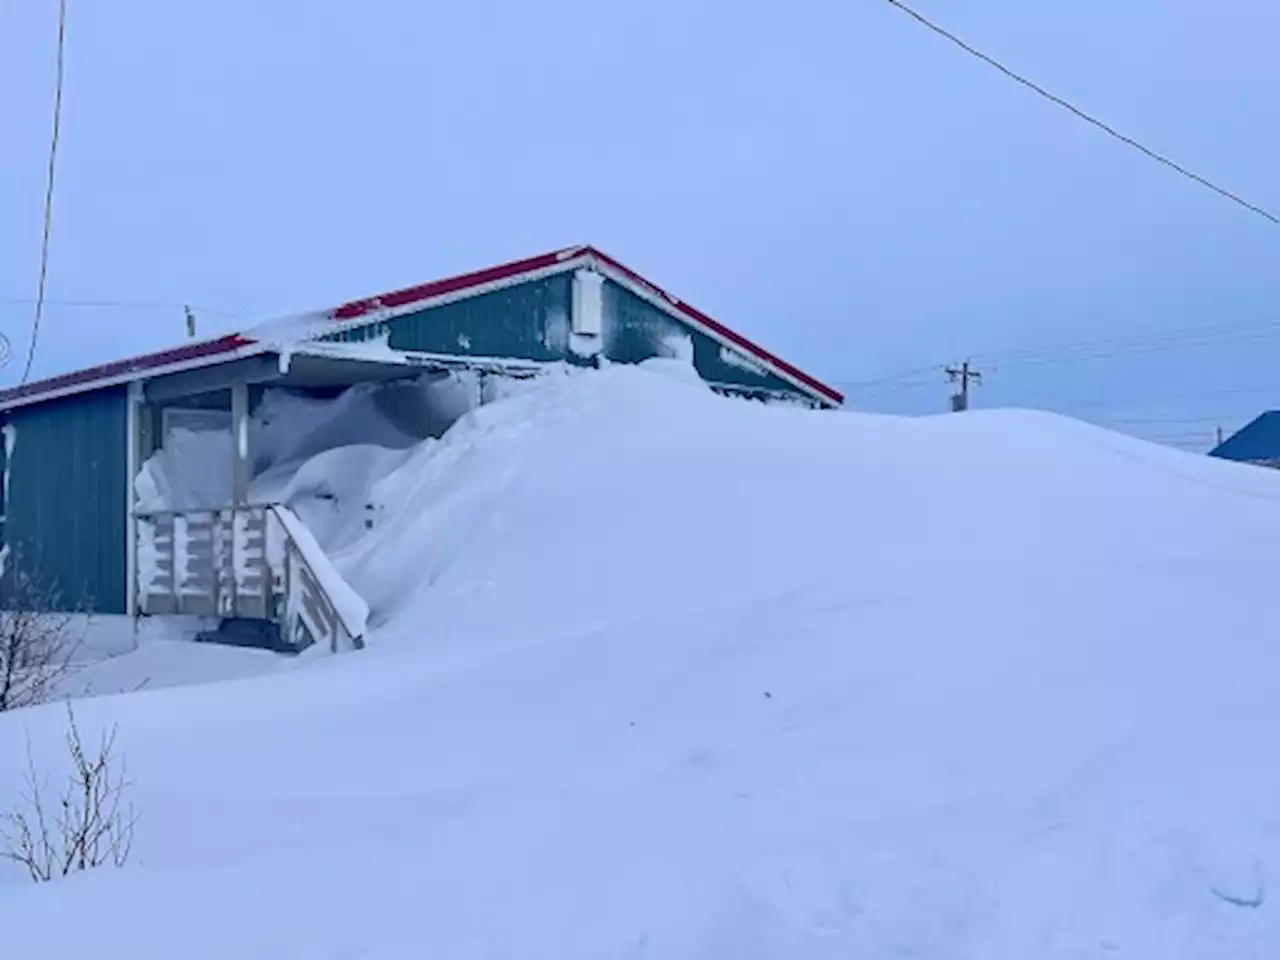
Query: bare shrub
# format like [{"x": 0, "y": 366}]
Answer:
[
  {"x": 89, "y": 825},
  {"x": 38, "y": 642}
]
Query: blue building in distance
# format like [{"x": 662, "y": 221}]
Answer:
[{"x": 1257, "y": 442}]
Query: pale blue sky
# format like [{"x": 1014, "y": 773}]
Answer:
[{"x": 828, "y": 177}]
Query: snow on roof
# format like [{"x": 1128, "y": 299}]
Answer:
[{"x": 296, "y": 328}]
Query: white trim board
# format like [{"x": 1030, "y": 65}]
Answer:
[
  {"x": 135, "y": 376},
  {"x": 417, "y": 359},
  {"x": 668, "y": 305},
  {"x": 573, "y": 259},
  {"x": 384, "y": 314},
  {"x": 656, "y": 299}
]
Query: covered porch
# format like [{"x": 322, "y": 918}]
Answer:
[{"x": 214, "y": 545}]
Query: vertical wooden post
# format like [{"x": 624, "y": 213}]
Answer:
[
  {"x": 239, "y": 478},
  {"x": 239, "y": 444},
  {"x": 133, "y": 464}
]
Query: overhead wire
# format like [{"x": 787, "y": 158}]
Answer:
[
  {"x": 123, "y": 305},
  {"x": 48, "y": 196},
  {"x": 1086, "y": 117},
  {"x": 894, "y": 390},
  {"x": 1164, "y": 421},
  {"x": 1079, "y": 351},
  {"x": 1177, "y": 397},
  {"x": 888, "y": 379},
  {"x": 1098, "y": 349},
  {"x": 1175, "y": 334},
  {"x": 1138, "y": 350},
  {"x": 1205, "y": 436}
]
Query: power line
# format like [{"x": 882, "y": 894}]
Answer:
[
  {"x": 1081, "y": 351},
  {"x": 1105, "y": 128},
  {"x": 1138, "y": 350},
  {"x": 48, "y": 194},
  {"x": 1163, "y": 421},
  {"x": 1079, "y": 409},
  {"x": 1175, "y": 335},
  {"x": 1272, "y": 388},
  {"x": 122, "y": 305},
  {"x": 894, "y": 390},
  {"x": 889, "y": 379}
]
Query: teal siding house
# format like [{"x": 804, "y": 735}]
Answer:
[{"x": 73, "y": 444}]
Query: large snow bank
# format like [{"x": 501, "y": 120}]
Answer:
[{"x": 662, "y": 674}]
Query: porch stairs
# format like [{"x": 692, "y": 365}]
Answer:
[
  {"x": 254, "y": 568},
  {"x": 247, "y": 632}
]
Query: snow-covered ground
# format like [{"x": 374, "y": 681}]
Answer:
[{"x": 660, "y": 674}]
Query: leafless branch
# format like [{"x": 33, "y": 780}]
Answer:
[
  {"x": 39, "y": 641},
  {"x": 92, "y": 824}
]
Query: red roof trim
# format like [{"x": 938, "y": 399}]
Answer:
[
  {"x": 438, "y": 288},
  {"x": 835, "y": 396},
  {"x": 119, "y": 368},
  {"x": 356, "y": 309},
  {"x": 464, "y": 281}
]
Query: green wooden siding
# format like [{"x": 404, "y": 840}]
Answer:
[
  {"x": 636, "y": 330},
  {"x": 65, "y": 518},
  {"x": 529, "y": 321}
]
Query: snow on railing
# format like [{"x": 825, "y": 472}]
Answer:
[
  {"x": 319, "y": 605},
  {"x": 256, "y": 562},
  {"x": 209, "y": 563}
]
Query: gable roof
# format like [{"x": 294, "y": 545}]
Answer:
[
  {"x": 408, "y": 300},
  {"x": 1257, "y": 440}
]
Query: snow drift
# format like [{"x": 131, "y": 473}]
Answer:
[
  {"x": 662, "y": 674},
  {"x": 317, "y": 458}
]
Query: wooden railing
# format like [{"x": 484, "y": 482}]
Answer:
[
  {"x": 208, "y": 563},
  {"x": 311, "y": 613},
  {"x": 254, "y": 562}
]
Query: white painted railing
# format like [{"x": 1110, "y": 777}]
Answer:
[
  {"x": 256, "y": 562},
  {"x": 318, "y": 606}
]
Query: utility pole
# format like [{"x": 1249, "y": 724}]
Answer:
[{"x": 964, "y": 375}]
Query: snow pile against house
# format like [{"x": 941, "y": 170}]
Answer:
[
  {"x": 84, "y": 432},
  {"x": 289, "y": 428},
  {"x": 318, "y": 457},
  {"x": 663, "y": 674}
]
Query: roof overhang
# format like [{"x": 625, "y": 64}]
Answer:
[
  {"x": 320, "y": 366},
  {"x": 626, "y": 277},
  {"x": 192, "y": 356},
  {"x": 359, "y": 313},
  {"x": 314, "y": 354}
]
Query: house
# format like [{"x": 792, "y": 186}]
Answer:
[
  {"x": 74, "y": 444},
  {"x": 1257, "y": 442}
]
